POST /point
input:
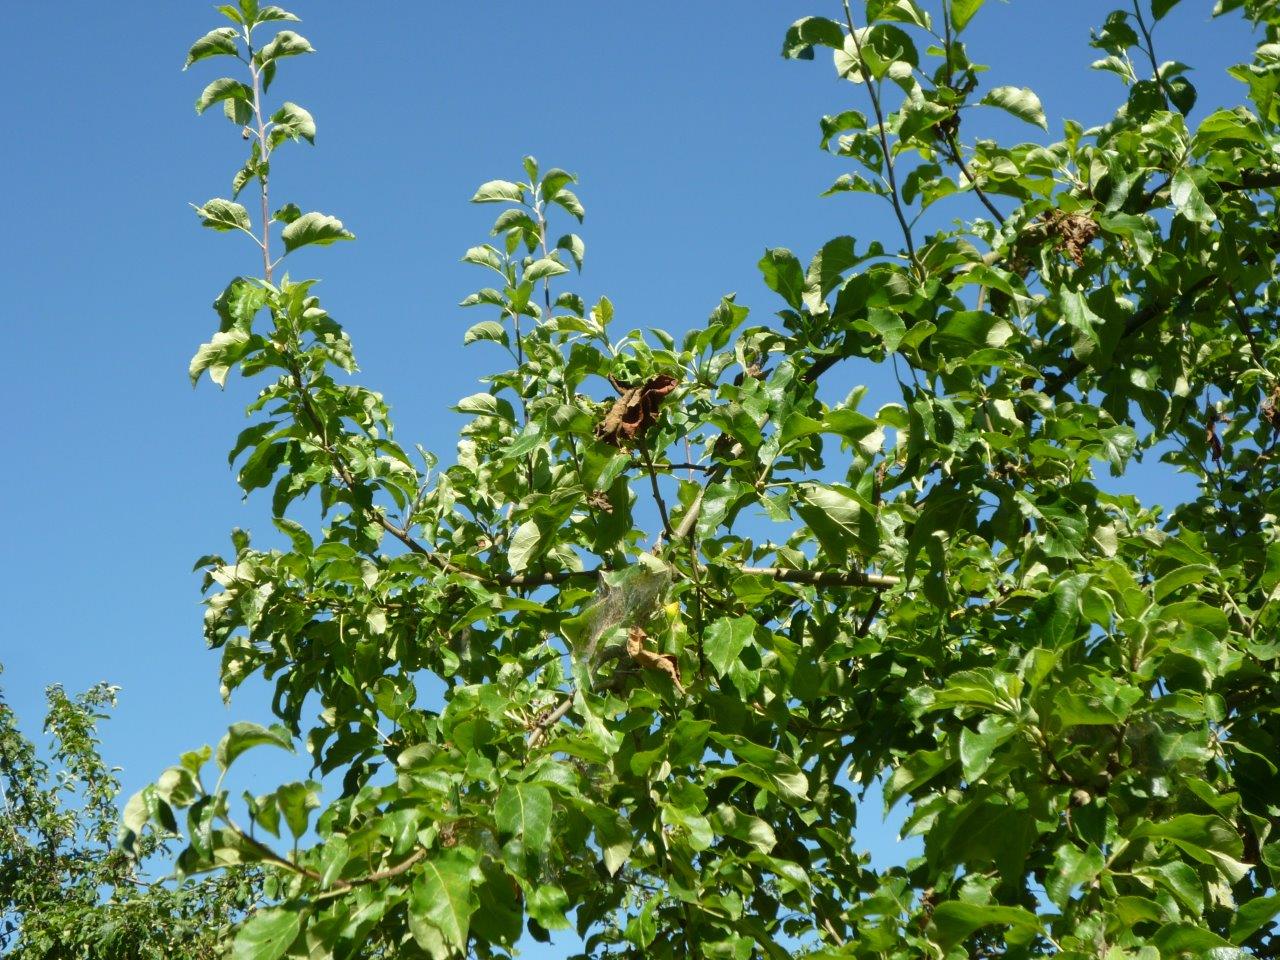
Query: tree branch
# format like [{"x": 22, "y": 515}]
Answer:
[{"x": 825, "y": 578}]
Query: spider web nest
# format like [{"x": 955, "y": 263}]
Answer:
[{"x": 625, "y": 598}]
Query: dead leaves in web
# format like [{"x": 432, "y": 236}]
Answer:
[
  {"x": 651, "y": 660},
  {"x": 1073, "y": 233},
  {"x": 635, "y": 411}
]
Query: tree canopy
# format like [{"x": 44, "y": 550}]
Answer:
[
  {"x": 67, "y": 892},
  {"x": 628, "y": 661}
]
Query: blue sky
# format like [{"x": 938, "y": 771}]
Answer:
[{"x": 696, "y": 145}]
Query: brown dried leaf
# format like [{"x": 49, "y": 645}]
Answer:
[
  {"x": 650, "y": 660},
  {"x": 599, "y": 500},
  {"x": 635, "y": 411},
  {"x": 1270, "y": 408}
]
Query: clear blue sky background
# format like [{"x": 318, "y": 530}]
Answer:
[{"x": 696, "y": 146}]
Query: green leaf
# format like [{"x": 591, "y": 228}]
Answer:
[
  {"x": 216, "y": 43},
  {"x": 286, "y": 43},
  {"x": 1253, "y": 916},
  {"x": 725, "y": 640},
  {"x": 808, "y": 31},
  {"x": 524, "y": 545},
  {"x": 524, "y": 810},
  {"x": 1078, "y": 315},
  {"x": 954, "y": 921},
  {"x": 784, "y": 275},
  {"x": 839, "y": 518},
  {"x": 314, "y": 228},
  {"x": 574, "y": 245},
  {"x": 497, "y": 191},
  {"x": 1182, "y": 939},
  {"x": 218, "y": 355},
  {"x": 548, "y": 905},
  {"x": 1195, "y": 830},
  {"x": 541, "y": 269},
  {"x": 266, "y": 935},
  {"x": 962, "y": 12},
  {"x": 1160, "y": 7},
  {"x": 296, "y": 801},
  {"x": 268, "y": 14},
  {"x": 287, "y": 214},
  {"x": 1176, "y": 579},
  {"x": 293, "y": 122},
  {"x": 218, "y": 214},
  {"x": 245, "y": 735},
  {"x": 1020, "y": 102},
  {"x": 570, "y": 202},
  {"x": 222, "y": 89},
  {"x": 1072, "y": 869},
  {"x": 441, "y": 900},
  {"x": 978, "y": 747},
  {"x": 917, "y": 116},
  {"x": 1188, "y": 200},
  {"x": 485, "y": 405},
  {"x": 485, "y": 330}
]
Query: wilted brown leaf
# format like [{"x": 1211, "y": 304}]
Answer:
[{"x": 635, "y": 411}]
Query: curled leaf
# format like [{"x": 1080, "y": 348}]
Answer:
[{"x": 635, "y": 411}]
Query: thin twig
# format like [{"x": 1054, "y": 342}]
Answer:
[
  {"x": 958, "y": 159},
  {"x": 542, "y": 728},
  {"x": 343, "y": 886},
  {"x": 657, "y": 493},
  {"x": 1151, "y": 52},
  {"x": 894, "y": 198}
]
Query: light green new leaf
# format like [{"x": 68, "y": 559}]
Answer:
[
  {"x": 267, "y": 935},
  {"x": 441, "y": 899},
  {"x": 219, "y": 214},
  {"x": 245, "y": 735},
  {"x": 1019, "y": 101},
  {"x": 524, "y": 810},
  {"x": 497, "y": 191},
  {"x": 216, "y": 43},
  {"x": 314, "y": 228}
]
